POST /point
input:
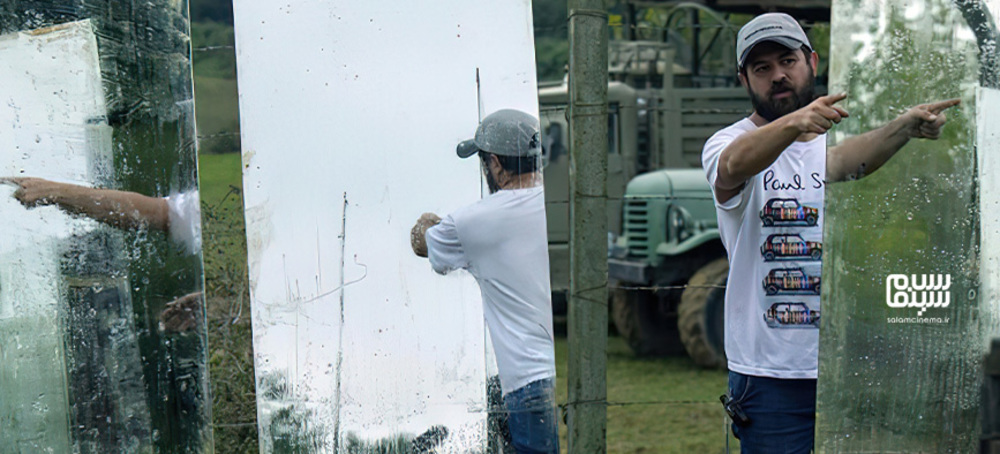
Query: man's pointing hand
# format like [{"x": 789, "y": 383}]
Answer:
[{"x": 925, "y": 121}]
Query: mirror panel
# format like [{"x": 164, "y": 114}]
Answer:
[
  {"x": 901, "y": 368},
  {"x": 350, "y": 116},
  {"x": 102, "y": 338}
]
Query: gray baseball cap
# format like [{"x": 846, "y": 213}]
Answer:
[
  {"x": 505, "y": 132},
  {"x": 778, "y": 27}
]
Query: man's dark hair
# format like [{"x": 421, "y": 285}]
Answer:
[{"x": 516, "y": 165}]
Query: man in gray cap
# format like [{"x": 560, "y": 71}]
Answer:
[
  {"x": 501, "y": 240},
  {"x": 768, "y": 173}
]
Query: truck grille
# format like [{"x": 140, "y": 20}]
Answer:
[{"x": 636, "y": 228}]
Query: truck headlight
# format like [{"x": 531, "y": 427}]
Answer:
[{"x": 678, "y": 223}]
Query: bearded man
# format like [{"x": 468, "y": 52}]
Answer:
[{"x": 768, "y": 173}]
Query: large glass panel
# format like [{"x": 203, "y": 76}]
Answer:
[
  {"x": 902, "y": 334},
  {"x": 102, "y": 340},
  {"x": 351, "y": 114}
]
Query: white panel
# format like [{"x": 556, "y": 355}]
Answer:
[
  {"x": 988, "y": 152},
  {"x": 54, "y": 129},
  {"x": 350, "y": 115}
]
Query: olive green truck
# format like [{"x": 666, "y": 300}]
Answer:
[{"x": 667, "y": 265}]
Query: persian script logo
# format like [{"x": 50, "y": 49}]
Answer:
[{"x": 920, "y": 291}]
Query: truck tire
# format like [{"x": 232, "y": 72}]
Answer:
[
  {"x": 701, "y": 316},
  {"x": 646, "y": 328}
]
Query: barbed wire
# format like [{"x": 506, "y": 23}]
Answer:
[
  {"x": 641, "y": 26},
  {"x": 662, "y": 287},
  {"x": 235, "y": 424},
  {"x": 611, "y": 403},
  {"x": 218, "y": 135},
  {"x": 212, "y": 48},
  {"x": 691, "y": 110},
  {"x": 562, "y": 406}
]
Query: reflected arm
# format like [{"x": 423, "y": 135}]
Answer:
[
  {"x": 126, "y": 210},
  {"x": 863, "y": 154}
]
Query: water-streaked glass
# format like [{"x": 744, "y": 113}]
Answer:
[
  {"x": 896, "y": 376},
  {"x": 99, "y": 95}
]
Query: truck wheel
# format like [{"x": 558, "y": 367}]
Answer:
[
  {"x": 701, "y": 317},
  {"x": 811, "y": 219},
  {"x": 768, "y": 256},
  {"x": 768, "y": 221},
  {"x": 816, "y": 254},
  {"x": 641, "y": 319}
]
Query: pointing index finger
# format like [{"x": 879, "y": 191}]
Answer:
[
  {"x": 833, "y": 99},
  {"x": 939, "y": 106}
]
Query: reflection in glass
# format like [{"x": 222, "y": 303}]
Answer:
[
  {"x": 102, "y": 341},
  {"x": 895, "y": 376},
  {"x": 359, "y": 346}
]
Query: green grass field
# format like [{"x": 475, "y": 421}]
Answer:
[
  {"x": 217, "y": 113},
  {"x": 234, "y": 407},
  {"x": 217, "y": 105},
  {"x": 656, "y": 405},
  {"x": 217, "y": 109},
  {"x": 220, "y": 173}
]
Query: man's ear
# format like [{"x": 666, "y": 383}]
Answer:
[
  {"x": 494, "y": 161},
  {"x": 814, "y": 61},
  {"x": 743, "y": 78}
]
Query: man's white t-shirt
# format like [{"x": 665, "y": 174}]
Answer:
[
  {"x": 502, "y": 241},
  {"x": 773, "y": 233},
  {"x": 184, "y": 211}
]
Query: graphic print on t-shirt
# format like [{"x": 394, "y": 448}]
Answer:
[
  {"x": 791, "y": 315},
  {"x": 791, "y": 281},
  {"x": 780, "y": 211},
  {"x": 791, "y": 249},
  {"x": 790, "y": 246}
]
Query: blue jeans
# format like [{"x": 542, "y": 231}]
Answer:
[
  {"x": 782, "y": 414},
  {"x": 531, "y": 417}
]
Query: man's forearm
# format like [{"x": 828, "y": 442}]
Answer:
[
  {"x": 753, "y": 152},
  {"x": 126, "y": 210},
  {"x": 863, "y": 154}
]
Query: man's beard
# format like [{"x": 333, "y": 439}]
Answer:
[
  {"x": 771, "y": 109},
  {"x": 491, "y": 181}
]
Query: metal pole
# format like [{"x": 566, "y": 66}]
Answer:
[{"x": 588, "y": 174}]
